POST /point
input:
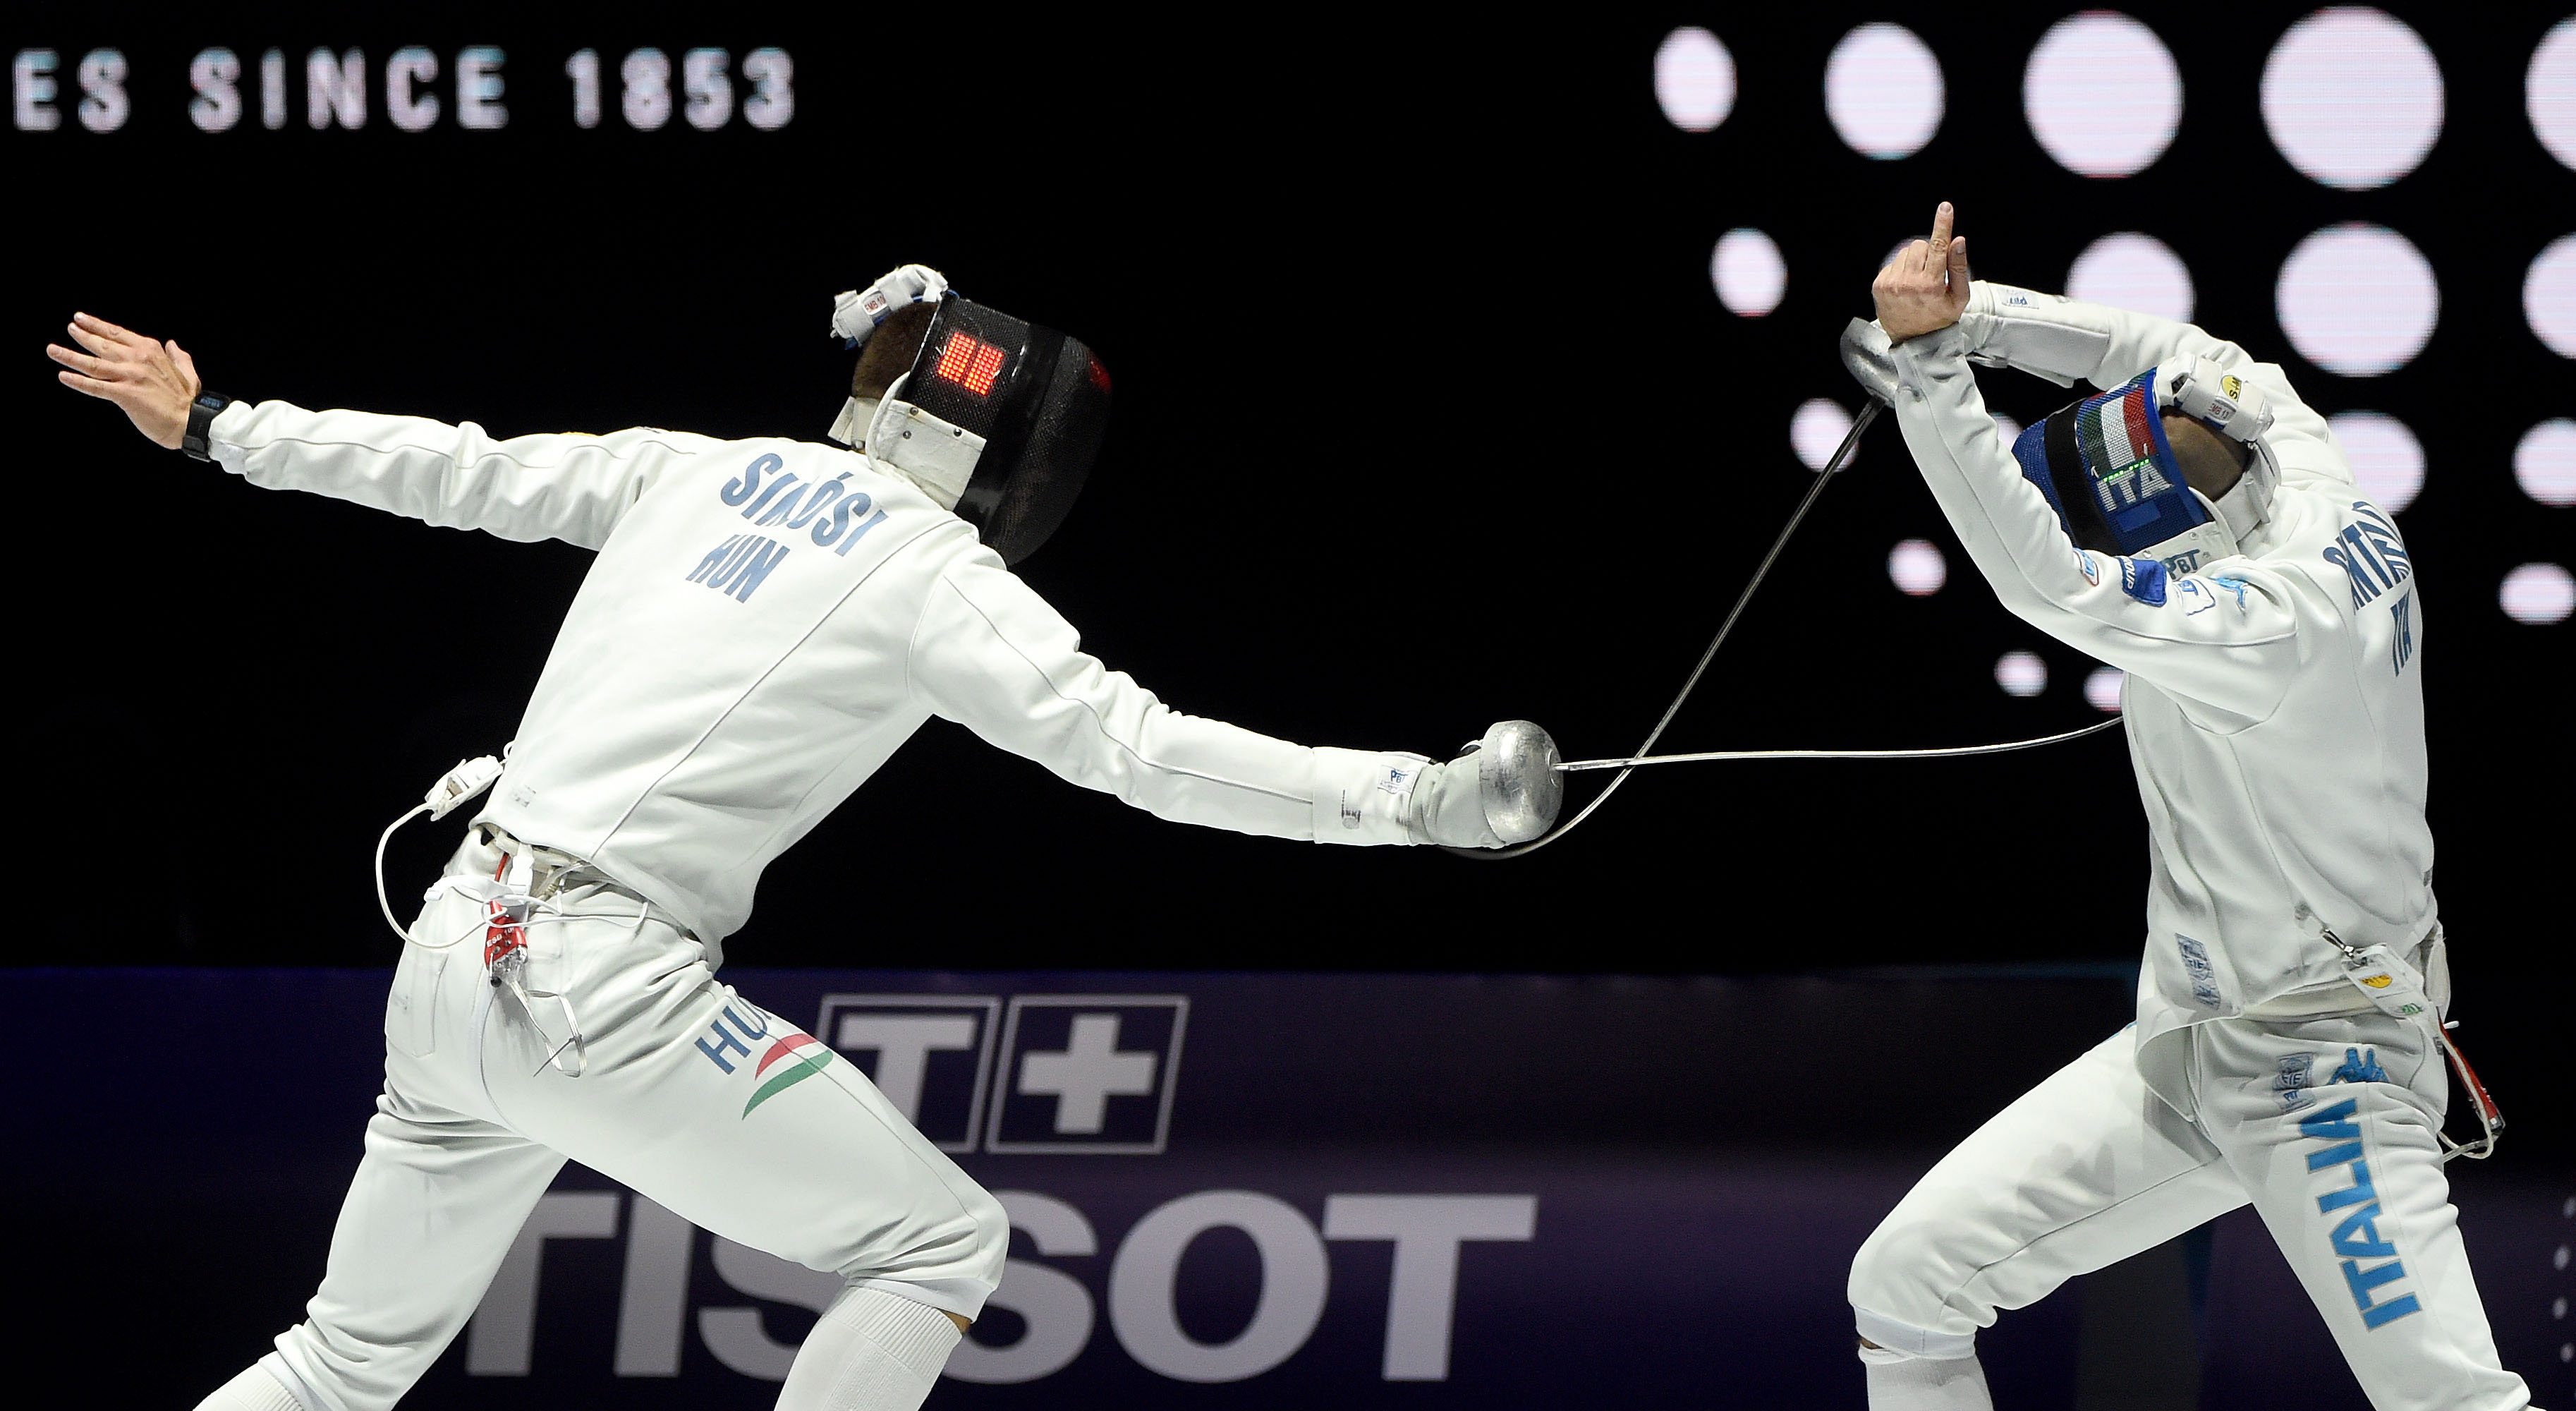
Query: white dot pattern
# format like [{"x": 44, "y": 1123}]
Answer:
[
  {"x": 2101, "y": 94},
  {"x": 2352, "y": 97},
  {"x": 2357, "y": 299},
  {"x": 1694, "y": 79},
  {"x": 1884, "y": 92}
]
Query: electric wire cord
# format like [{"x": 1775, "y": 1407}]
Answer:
[
  {"x": 382, "y": 903},
  {"x": 1834, "y": 466},
  {"x": 1945, "y": 752},
  {"x": 538, "y": 913}
]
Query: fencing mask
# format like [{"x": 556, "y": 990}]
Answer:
[
  {"x": 994, "y": 417},
  {"x": 2108, "y": 471}
]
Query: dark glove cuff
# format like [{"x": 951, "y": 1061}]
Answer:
[{"x": 201, "y": 416}]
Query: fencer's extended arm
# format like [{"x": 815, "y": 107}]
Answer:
[
  {"x": 992, "y": 655},
  {"x": 569, "y": 487},
  {"x": 2062, "y": 339},
  {"x": 2230, "y": 639}
]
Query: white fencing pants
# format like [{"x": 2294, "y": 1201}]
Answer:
[
  {"x": 2328, "y": 1126},
  {"x": 695, "y": 1097}
]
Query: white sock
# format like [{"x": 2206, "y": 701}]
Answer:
[
  {"x": 1900, "y": 1381},
  {"x": 252, "y": 1390},
  {"x": 870, "y": 1351}
]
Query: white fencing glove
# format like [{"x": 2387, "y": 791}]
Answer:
[
  {"x": 856, "y": 315},
  {"x": 857, "y": 312},
  {"x": 1503, "y": 789}
]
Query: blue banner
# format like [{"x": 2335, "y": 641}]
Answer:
[{"x": 1226, "y": 1189}]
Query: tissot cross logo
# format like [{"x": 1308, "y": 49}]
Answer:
[
  {"x": 929, "y": 1055},
  {"x": 1087, "y": 1073},
  {"x": 1059, "y": 1074}
]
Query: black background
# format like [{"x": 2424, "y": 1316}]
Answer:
[{"x": 1428, "y": 416}]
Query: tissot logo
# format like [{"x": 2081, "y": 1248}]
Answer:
[
  {"x": 929, "y": 1055},
  {"x": 1069, "y": 1074}
]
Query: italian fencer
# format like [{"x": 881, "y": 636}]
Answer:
[
  {"x": 2196, "y": 525},
  {"x": 766, "y": 621}
]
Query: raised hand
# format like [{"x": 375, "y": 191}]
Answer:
[
  {"x": 1925, "y": 288},
  {"x": 153, "y": 382}
]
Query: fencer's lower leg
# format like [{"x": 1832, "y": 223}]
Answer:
[
  {"x": 870, "y": 1351},
  {"x": 1901, "y": 1381},
  {"x": 255, "y": 1389}
]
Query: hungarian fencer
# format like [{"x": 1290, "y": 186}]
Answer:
[
  {"x": 2196, "y": 526},
  {"x": 765, "y": 623}
]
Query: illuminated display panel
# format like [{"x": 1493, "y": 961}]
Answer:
[
  {"x": 2537, "y": 594},
  {"x": 2549, "y": 92},
  {"x": 2387, "y": 460},
  {"x": 2133, "y": 271},
  {"x": 968, "y": 361},
  {"x": 2102, "y": 95},
  {"x": 2357, "y": 299},
  {"x": 2021, "y": 673},
  {"x": 1817, "y": 430},
  {"x": 1749, "y": 274},
  {"x": 2102, "y": 688},
  {"x": 2549, "y": 296},
  {"x": 1917, "y": 568},
  {"x": 2352, "y": 98},
  {"x": 1883, "y": 91},
  {"x": 1694, "y": 79},
  {"x": 2544, "y": 463}
]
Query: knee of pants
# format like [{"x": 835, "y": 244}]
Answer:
[
  {"x": 1902, "y": 1280},
  {"x": 992, "y": 1237}
]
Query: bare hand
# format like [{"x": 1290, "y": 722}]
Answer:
[
  {"x": 1925, "y": 288},
  {"x": 153, "y": 382}
]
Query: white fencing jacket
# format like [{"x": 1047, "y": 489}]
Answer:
[
  {"x": 766, "y": 622},
  {"x": 2274, "y": 703}
]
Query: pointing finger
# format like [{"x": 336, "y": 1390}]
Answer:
[{"x": 1941, "y": 227}]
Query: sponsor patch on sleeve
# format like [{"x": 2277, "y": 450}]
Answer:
[
  {"x": 2144, "y": 580},
  {"x": 2085, "y": 565}
]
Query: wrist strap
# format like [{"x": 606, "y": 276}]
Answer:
[{"x": 201, "y": 415}]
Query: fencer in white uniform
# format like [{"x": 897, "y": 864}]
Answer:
[
  {"x": 766, "y": 622},
  {"x": 2273, "y": 640}
]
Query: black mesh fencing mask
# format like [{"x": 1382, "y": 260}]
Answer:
[{"x": 1015, "y": 409}]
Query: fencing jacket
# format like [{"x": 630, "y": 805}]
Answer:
[
  {"x": 766, "y": 622},
  {"x": 2274, "y": 703}
]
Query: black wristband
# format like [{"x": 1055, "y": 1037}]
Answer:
[{"x": 201, "y": 415}]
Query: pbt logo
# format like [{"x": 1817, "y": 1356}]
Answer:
[{"x": 1044, "y": 1074}]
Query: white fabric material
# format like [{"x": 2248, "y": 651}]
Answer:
[
  {"x": 2274, "y": 710},
  {"x": 2327, "y": 1126},
  {"x": 1902, "y": 1382},
  {"x": 254, "y": 1388},
  {"x": 706, "y": 705},
  {"x": 474, "y": 1123},
  {"x": 932, "y": 453},
  {"x": 1897, "y": 1339},
  {"x": 850, "y": 428},
  {"x": 857, "y": 312},
  {"x": 870, "y": 1351}
]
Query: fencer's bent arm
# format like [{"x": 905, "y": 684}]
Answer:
[
  {"x": 2062, "y": 339},
  {"x": 992, "y": 655},
  {"x": 569, "y": 487},
  {"x": 2229, "y": 640}
]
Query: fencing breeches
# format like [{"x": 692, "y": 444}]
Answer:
[
  {"x": 695, "y": 1097},
  {"x": 2328, "y": 1126}
]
